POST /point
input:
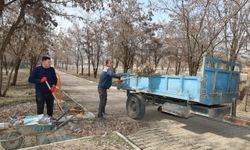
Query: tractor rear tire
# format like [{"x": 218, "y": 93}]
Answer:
[{"x": 135, "y": 106}]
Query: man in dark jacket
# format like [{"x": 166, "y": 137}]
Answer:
[
  {"x": 39, "y": 76},
  {"x": 104, "y": 83}
]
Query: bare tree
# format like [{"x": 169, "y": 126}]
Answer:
[
  {"x": 76, "y": 34},
  {"x": 127, "y": 21},
  {"x": 19, "y": 48},
  {"x": 98, "y": 43},
  {"x": 200, "y": 26},
  {"x": 235, "y": 31}
]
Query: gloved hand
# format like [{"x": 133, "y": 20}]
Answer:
[
  {"x": 43, "y": 79},
  {"x": 53, "y": 88},
  {"x": 120, "y": 79}
]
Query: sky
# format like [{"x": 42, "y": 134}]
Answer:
[{"x": 64, "y": 24}]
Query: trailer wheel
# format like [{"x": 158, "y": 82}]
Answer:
[
  {"x": 135, "y": 106},
  {"x": 14, "y": 141}
]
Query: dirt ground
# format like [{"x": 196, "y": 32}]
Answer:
[
  {"x": 21, "y": 93},
  {"x": 156, "y": 130}
]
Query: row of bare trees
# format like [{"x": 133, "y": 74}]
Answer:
[
  {"x": 125, "y": 32},
  {"x": 122, "y": 32},
  {"x": 214, "y": 28}
]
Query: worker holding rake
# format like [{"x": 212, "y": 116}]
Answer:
[{"x": 40, "y": 76}]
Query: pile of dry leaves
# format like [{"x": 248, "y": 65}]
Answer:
[
  {"x": 145, "y": 69},
  {"x": 101, "y": 127}
]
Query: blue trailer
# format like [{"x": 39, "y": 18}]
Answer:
[{"x": 206, "y": 95}]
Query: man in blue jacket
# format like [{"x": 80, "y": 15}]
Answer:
[
  {"x": 104, "y": 83},
  {"x": 39, "y": 76}
]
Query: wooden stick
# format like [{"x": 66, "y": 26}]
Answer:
[
  {"x": 128, "y": 78},
  {"x": 57, "y": 102},
  {"x": 125, "y": 79}
]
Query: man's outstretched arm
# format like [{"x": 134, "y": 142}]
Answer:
[{"x": 112, "y": 74}]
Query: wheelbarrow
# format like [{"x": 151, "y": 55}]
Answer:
[{"x": 12, "y": 136}]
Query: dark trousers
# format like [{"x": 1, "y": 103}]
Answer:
[
  {"x": 103, "y": 101},
  {"x": 41, "y": 99}
]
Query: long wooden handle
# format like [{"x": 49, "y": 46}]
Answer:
[
  {"x": 128, "y": 78},
  {"x": 123, "y": 79},
  {"x": 57, "y": 101}
]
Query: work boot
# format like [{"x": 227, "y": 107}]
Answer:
[
  {"x": 105, "y": 114},
  {"x": 100, "y": 116}
]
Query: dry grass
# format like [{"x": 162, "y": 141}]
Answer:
[{"x": 21, "y": 93}]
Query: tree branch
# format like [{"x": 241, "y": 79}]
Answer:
[{"x": 10, "y": 2}]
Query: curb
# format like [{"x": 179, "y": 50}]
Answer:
[{"x": 50, "y": 144}]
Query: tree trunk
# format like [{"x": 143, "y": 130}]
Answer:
[
  {"x": 168, "y": 67},
  {"x": 97, "y": 61},
  {"x": 93, "y": 66},
  {"x": 17, "y": 65},
  {"x": 31, "y": 68},
  {"x": 1, "y": 72},
  {"x": 157, "y": 58},
  {"x": 193, "y": 69},
  {"x": 82, "y": 68},
  {"x": 82, "y": 71},
  {"x": 126, "y": 60},
  {"x": 8, "y": 83},
  {"x": 116, "y": 66},
  {"x": 177, "y": 66},
  {"x": 125, "y": 68},
  {"x": 95, "y": 72},
  {"x": 33, "y": 63},
  {"x": 77, "y": 67},
  {"x": 67, "y": 63},
  {"x": 77, "y": 64},
  {"x": 5, "y": 65},
  {"x": 55, "y": 61},
  {"x": 89, "y": 66}
]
